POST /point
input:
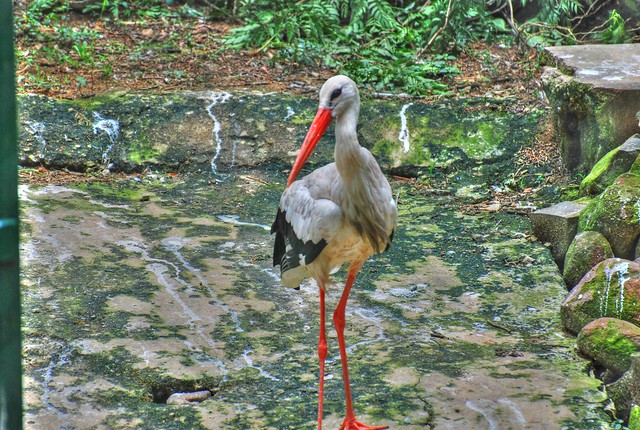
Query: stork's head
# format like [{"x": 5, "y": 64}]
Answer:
[{"x": 338, "y": 95}]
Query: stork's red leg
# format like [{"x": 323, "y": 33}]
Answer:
[
  {"x": 322, "y": 355},
  {"x": 350, "y": 422}
]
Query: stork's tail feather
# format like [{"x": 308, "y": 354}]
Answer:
[{"x": 279, "y": 226}]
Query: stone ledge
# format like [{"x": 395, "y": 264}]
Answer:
[{"x": 610, "y": 67}]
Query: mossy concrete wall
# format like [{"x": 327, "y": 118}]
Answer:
[{"x": 213, "y": 130}]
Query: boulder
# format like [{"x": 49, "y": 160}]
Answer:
[
  {"x": 610, "y": 342},
  {"x": 625, "y": 392},
  {"x": 610, "y": 289},
  {"x": 587, "y": 249},
  {"x": 616, "y": 162},
  {"x": 557, "y": 226},
  {"x": 616, "y": 214}
]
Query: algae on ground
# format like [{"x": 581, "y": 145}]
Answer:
[{"x": 160, "y": 294}]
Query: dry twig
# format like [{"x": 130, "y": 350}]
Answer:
[{"x": 437, "y": 33}]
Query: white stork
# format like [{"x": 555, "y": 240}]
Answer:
[{"x": 342, "y": 212}]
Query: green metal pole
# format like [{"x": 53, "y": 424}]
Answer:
[{"x": 10, "y": 362}]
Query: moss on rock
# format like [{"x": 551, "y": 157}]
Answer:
[
  {"x": 635, "y": 167},
  {"x": 586, "y": 250},
  {"x": 610, "y": 343},
  {"x": 634, "y": 418},
  {"x": 610, "y": 289},
  {"x": 616, "y": 162},
  {"x": 590, "y": 184},
  {"x": 616, "y": 214},
  {"x": 625, "y": 392}
]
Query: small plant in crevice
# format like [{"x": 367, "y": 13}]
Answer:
[{"x": 614, "y": 31}]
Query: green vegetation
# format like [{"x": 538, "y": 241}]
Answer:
[
  {"x": 372, "y": 41},
  {"x": 406, "y": 46}
]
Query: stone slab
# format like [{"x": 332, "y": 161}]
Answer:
[
  {"x": 218, "y": 131},
  {"x": 557, "y": 225},
  {"x": 603, "y": 66}
]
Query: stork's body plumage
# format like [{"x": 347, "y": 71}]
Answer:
[{"x": 341, "y": 213}]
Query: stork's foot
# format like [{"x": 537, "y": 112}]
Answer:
[{"x": 353, "y": 424}]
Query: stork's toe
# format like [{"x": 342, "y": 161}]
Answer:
[{"x": 353, "y": 424}]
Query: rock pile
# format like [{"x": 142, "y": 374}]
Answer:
[{"x": 595, "y": 240}]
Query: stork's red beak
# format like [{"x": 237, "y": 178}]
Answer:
[{"x": 316, "y": 130}]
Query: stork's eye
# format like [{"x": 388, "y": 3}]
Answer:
[{"x": 336, "y": 93}]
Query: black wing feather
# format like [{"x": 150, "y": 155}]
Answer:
[
  {"x": 280, "y": 227},
  {"x": 285, "y": 235}
]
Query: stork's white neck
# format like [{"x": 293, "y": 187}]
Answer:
[
  {"x": 360, "y": 197},
  {"x": 348, "y": 156}
]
